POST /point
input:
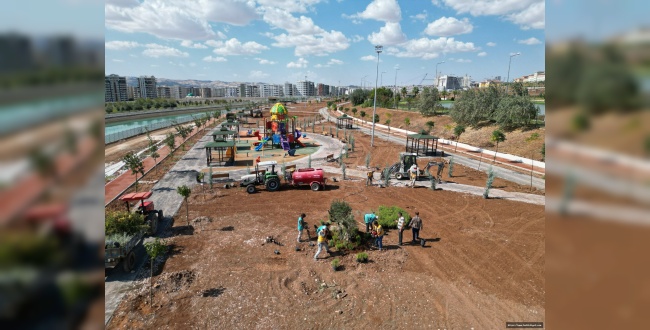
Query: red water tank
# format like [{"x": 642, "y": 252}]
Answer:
[{"x": 308, "y": 175}]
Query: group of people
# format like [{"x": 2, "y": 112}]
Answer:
[
  {"x": 376, "y": 230},
  {"x": 372, "y": 226}
]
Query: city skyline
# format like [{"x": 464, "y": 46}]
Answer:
[{"x": 327, "y": 41}]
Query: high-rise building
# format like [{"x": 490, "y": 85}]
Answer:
[
  {"x": 17, "y": 53},
  {"x": 115, "y": 89},
  {"x": 206, "y": 92},
  {"x": 147, "y": 87},
  {"x": 132, "y": 92},
  {"x": 446, "y": 83},
  {"x": 164, "y": 92},
  {"x": 176, "y": 92},
  {"x": 306, "y": 88},
  {"x": 288, "y": 89}
]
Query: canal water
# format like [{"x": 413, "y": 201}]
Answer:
[{"x": 135, "y": 123}]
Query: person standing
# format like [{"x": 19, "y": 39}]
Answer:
[
  {"x": 301, "y": 225},
  {"x": 370, "y": 175},
  {"x": 400, "y": 227},
  {"x": 413, "y": 171},
  {"x": 322, "y": 240},
  {"x": 368, "y": 219},
  {"x": 416, "y": 226},
  {"x": 379, "y": 232}
]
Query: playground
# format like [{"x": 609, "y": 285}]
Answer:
[{"x": 483, "y": 263}]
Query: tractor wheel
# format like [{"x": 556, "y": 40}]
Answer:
[
  {"x": 250, "y": 189},
  {"x": 315, "y": 186},
  {"x": 129, "y": 262},
  {"x": 273, "y": 184},
  {"x": 399, "y": 176}
]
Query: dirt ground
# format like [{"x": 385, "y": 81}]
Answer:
[{"x": 483, "y": 263}]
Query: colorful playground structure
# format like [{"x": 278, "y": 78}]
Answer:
[{"x": 280, "y": 130}]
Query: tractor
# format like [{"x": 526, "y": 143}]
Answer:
[
  {"x": 146, "y": 208},
  {"x": 400, "y": 170},
  {"x": 270, "y": 179}
]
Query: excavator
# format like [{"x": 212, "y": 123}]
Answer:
[{"x": 400, "y": 170}]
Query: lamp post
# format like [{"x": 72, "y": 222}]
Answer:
[
  {"x": 395, "y": 95},
  {"x": 381, "y": 81},
  {"x": 362, "y": 80},
  {"x": 437, "y": 72},
  {"x": 374, "y": 105},
  {"x": 508, "y": 78}
]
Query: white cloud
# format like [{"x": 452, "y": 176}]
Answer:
[
  {"x": 189, "y": 44},
  {"x": 264, "y": 61},
  {"x": 530, "y": 41},
  {"x": 390, "y": 34},
  {"x": 256, "y": 75},
  {"x": 425, "y": 48},
  {"x": 118, "y": 60},
  {"x": 319, "y": 45},
  {"x": 482, "y": 54},
  {"x": 155, "y": 65},
  {"x": 461, "y": 60},
  {"x": 334, "y": 61},
  {"x": 292, "y": 6},
  {"x": 448, "y": 26},
  {"x": 420, "y": 17},
  {"x": 526, "y": 13},
  {"x": 122, "y": 3},
  {"x": 121, "y": 45},
  {"x": 356, "y": 38},
  {"x": 156, "y": 50},
  {"x": 318, "y": 66},
  {"x": 235, "y": 12},
  {"x": 300, "y": 63},
  {"x": 284, "y": 20},
  {"x": 368, "y": 58},
  {"x": 215, "y": 59},
  {"x": 381, "y": 10},
  {"x": 491, "y": 44},
  {"x": 235, "y": 47}
]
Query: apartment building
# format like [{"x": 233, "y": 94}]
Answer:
[
  {"x": 115, "y": 89},
  {"x": 147, "y": 87}
]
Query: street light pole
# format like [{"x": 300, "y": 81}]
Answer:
[
  {"x": 381, "y": 81},
  {"x": 508, "y": 78},
  {"x": 395, "y": 95},
  {"x": 374, "y": 105},
  {"x": 437, "y": 72}
]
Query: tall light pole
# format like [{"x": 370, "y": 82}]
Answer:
[
  {"x": 381, "y": 81},
  {"x": 362, "y": 80},
  {"x": 395, "y": 95},
  {"x": 510, "y": 61},
  {"x": 374, "y": 105},
  {"x": 437, "y": 72}
]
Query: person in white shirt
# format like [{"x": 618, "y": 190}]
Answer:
[
  {"x": 414, "y": 174},
  {"x": 400, "y": 226}
]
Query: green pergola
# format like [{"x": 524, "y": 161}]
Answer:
[
  {"x": 422, "y": 144},
  {"x": 225, "y": 152},
  {"x": 344, "y": 122},
  {"x": 222, "y": 134}
]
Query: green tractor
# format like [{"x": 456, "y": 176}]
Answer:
[{"x": 270, "y": 179}]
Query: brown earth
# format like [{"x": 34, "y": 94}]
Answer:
[{"x": 483, "y": 264}]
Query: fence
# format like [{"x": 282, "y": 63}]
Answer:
[{"x": 110, "y": 138}]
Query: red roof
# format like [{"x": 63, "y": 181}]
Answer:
[{"x": 136, "y": 196}]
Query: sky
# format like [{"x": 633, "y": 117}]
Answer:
[{"x": 328, "y": 41}]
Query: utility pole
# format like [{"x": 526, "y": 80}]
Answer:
[
  {"x": 508, "y": 78},
  {"x": 395, "y": 95},
  {"x": 378, "y": 49}
]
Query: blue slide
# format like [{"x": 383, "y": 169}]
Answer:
[{"x": 261, "y": 145}]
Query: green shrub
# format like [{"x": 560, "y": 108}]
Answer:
[
  {"x": 336, "y": 263},
  {"x": 123, "y": 222},
  {"x": 388, "y": 216},
  {"x": 362, "y": 257}
]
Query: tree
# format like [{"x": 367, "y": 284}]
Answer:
[
  {"x": 358, "y": 96},
  {"x": 134, "y": 163},
  {"x": 428, "y": 101},
  {"x": 416, "y": 90},
  {"x": 407, "y": 121},
  {"x": 154, "y": 249},
  {"x": 42, "y": 163},
  {"x": 530, "y": 139},
  {"x": 153, "y": 151},
  {"x": 404, "y": 91},
  {"x": 362, "y": 114},
  {"x": 184, "y": 132},
  {"x": 376, "y": 119},
  {"x": 430, "y": 125},
  {"x": 185, "y": 191},
  {"x": 170, "y": 141},
  {"x": 354, "y": 111},
  {"x": 514, "y": 112},
  {"x": 444, "y": 94},
  {"x": 458, "y": 130},
  {"x": 497, "y": 136}
]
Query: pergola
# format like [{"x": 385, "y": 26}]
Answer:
[
  {"x": 225, "y": 152},
  {"x": 232, "y": 125},
  {"x": 222, "y": 134},
  {"x": 344, "y": 122},
  {"x": 422, "y": 144}
]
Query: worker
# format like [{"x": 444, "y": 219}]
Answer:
[
  {"x": 441, "y": 166},
  {"x": 413, "y": 171},
  {"x": 301, "y": 225},
  {"x": 370, "y": 175},
  {"x": 379, "y": 234},
  {"x": 322, "y": 240},
  {"x": 400, "y": 226},
  {"x": 368, "y": 219},
  {"x": 416, "y": 226}
]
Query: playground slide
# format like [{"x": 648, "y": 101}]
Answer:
[
  {"x": 261, "y": 145},
  {"x": 285, "y": 143}
]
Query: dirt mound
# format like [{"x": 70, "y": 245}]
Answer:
[{"x": 176, "y": 281}]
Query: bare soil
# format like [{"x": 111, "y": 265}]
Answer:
[{"x": 483, "y": 263}]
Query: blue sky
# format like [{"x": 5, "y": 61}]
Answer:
[{"x": 329, "y": 41}]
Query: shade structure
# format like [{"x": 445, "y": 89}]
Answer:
[
  {"x": 221, "y": 153},
  {"x": 422, "y": 144},
  {"x": 344, "y": 122}
]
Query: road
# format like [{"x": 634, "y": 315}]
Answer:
[{"x": 501, "y": 172}]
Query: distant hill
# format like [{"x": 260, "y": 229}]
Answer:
[{"x": 133, "y": 81}]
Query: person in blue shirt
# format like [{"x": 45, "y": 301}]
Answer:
[{"x": 368, "y": 219}]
